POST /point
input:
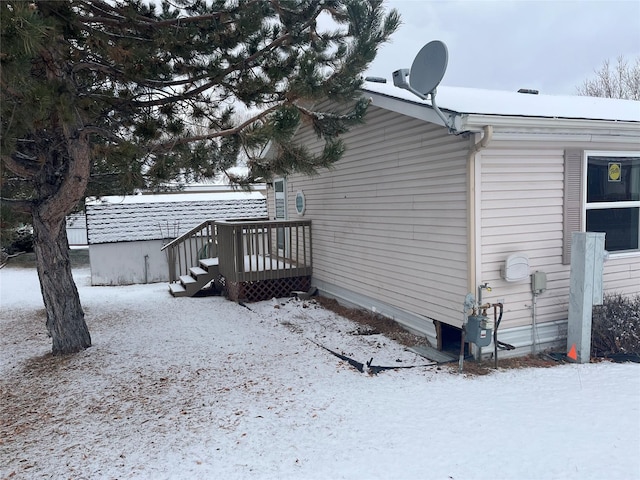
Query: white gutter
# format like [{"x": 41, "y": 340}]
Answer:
[{"x": 521, "y": 124}]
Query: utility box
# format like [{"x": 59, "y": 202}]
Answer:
[
  {"x": 515, "y": 268},
  {"x": 538, "y": 282},
  {"x": 476, "y": 331}
]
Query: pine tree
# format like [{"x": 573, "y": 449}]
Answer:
[{"x": 104, "y": 95}]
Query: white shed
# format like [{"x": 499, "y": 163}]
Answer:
[
  {"x": 413, "y": 217},
  {"x": 126, "y": 233},
  {"x": 77, "y": 229}
]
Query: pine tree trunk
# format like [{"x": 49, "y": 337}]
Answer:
[{"x": 65, "y": 317}]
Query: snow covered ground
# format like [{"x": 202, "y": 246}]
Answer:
[{"x": 205, "y": 388}]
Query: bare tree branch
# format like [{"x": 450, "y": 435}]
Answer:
[{"x": 619, "y": 81}]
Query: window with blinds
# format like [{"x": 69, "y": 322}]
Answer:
[{"x": 612, "y": 201}]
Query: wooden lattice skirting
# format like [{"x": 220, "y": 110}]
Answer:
[{"x": 266, "y": 289}]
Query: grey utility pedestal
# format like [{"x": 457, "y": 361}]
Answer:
[{"x": 587, "y": 258}]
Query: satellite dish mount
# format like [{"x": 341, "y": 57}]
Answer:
[{"x": 425, "y": 75}]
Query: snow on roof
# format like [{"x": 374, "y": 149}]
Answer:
[
  {"x": 175, "y": 197},
  {"x": 495, "y": 102},
  {"x": 154, "y": 220}
]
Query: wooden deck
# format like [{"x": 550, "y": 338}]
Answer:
[{"x": 276, "y": 253}]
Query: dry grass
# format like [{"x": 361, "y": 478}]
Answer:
[
  {"x": 375, "y": 323},
  {"x": 487, "y": 366}
]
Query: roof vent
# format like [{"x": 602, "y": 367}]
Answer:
[
  {"x": 530, "y": 91},
  {"x": 376, "y": 79}
]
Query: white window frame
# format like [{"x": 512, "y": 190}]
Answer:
[{"x": 602, "y": 205}]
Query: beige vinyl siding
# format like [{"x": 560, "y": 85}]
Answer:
[
  {"x": 622, "y": 275},
  {"x": 522, "y": 201},
  {"x": 522, "y": 212},
  {"x": 389, "y": 220}
]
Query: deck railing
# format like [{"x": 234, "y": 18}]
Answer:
[
  {"x": 246, "y": 250},
  {"x": 185, "y": 251},
  {"x": 254, "y": 251}
]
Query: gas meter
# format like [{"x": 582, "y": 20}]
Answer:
[{"x": 478, "y": 330}]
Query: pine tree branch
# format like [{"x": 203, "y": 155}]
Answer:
[
  {"x": 20, "y": 205},
  {"x": 103, "y": 132},
  {"x": 217, "y": 80},
  {"x": 102, "y": 8},
  {"x": 279, "y": 41},
  {"x": 94, "y": 67},
  {"x": 10, "y": 90},
  {"x": 26, "y": 168},
  {"x": 114, "y": 17},
  {"x": 111, "y": 70},
  {"x": 221, "y": 133}
]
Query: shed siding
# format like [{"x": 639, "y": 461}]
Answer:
[
  {"x": 522, "y": 201},
  {"x": 126, "y": 263},
  {"x": 390, "y": 219},
  {"x": 76, "y": 225}
]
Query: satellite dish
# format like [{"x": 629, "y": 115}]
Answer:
[
  {"x": 425, "y": 75},
  {"x": 428, "y": 67}
]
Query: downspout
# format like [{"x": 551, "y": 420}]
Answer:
[{"x": 473, "y": 174}]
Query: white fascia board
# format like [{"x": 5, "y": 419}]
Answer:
[
  {"x": 419, "y": 111},
  {"x": 512, "y": 127},
  {"x": 560, "y": 126},
  {"x": 561, "y": 132},
  {"x": 567, "y": 139}
]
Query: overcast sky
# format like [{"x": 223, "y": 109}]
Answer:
[{"x": 548, "y": 45}]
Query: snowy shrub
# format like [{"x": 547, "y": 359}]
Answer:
[
  {"x": 22, "y": 239},
  {"x": 615, "y": 327},
  {"x": 19, "y": 239}
]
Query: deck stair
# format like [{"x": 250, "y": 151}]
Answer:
[{"x": 197, "y": 278}]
